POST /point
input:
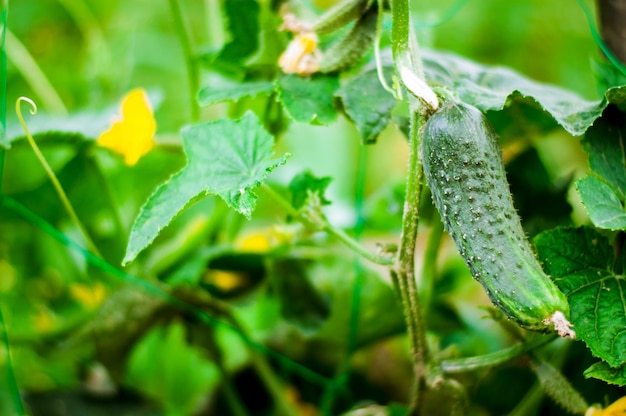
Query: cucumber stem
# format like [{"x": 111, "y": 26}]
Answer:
[
  {"x": 404, "y": 270},
  {"x": 406, "y": 59},
  {"x": 480, "y": 362}
]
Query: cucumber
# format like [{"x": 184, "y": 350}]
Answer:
[
  {"x": 465, "y": 172},
  {"x": 353, "y": 46}
]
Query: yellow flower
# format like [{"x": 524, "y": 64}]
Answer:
[
  {"x": 301, "y": 56},
  {"x": 88, "y": 296},
  {"x": 618, "y": 408},
  {"x": 132, "y": 135}
]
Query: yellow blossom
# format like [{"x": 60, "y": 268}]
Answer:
[
  {"x": 132, "y": 135},
  {"x": 301, "y": 56},
  {"x": 617, "y": 408},
  {"x": 88, "y": 296}
]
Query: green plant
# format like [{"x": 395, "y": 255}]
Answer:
[{"x": 213, "y": 255}]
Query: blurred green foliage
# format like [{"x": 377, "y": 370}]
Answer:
[{"x": 264, "y": 308}]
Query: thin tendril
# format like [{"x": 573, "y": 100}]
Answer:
[
  {"x": 379, "y": 66},
  {"x": 53, "y": 178}
]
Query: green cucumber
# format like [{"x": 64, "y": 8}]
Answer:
[
  {"x": 465, "y": 172},
  {"x": 353, "y": 46},
  {"x": 340, "y": 15}
]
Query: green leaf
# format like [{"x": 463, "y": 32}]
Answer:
[
  {"x": 301, "y": 302},
  {"x": 368, "y": 104},
  {"x": 243, "y": 25},
  {"x": 3, "y": 76},
  {"x": 226, "y": 158},
  {"x": 309, "y": 100},
  {"x": 604, "y": 207},
  {"x": 492, "y": 88},
  {"x": 604, "y": 192},
  {"x": 211, "y": 95},
  {"x": 304, "y": 185},
  {"x": 603, "y": 371},
  {"x": 606, "y": 144},
  {"x": 164, "y": 367},
  {"x": 580, "y": 261}
]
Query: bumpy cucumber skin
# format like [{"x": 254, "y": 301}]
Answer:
[
  {"x": 353, "y": 46},
  {"x": 464, "y": 170}
]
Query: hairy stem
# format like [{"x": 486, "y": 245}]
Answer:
[
  {"x": 404, "y": 270},
  {"x": 463, "y": 365}
]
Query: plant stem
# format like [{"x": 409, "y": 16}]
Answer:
[
  {"x": 55, "y": 181},
  {"x": 33, "y": 75},
  {"x": 321, "y": 223},
  {"x": 463, "y": 365},
  {"x": 429, "y": 268},
  {"x": 404, "y": 270},
  {"x": 190, "y": 59}
]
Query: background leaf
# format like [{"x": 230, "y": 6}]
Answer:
[
  {"x": 304, "y": 184},
  {"x": 605, "y": 372},
  {"x": 368, "y": 104},
  {"x": 243, "y": 25},
  {"x": 580, "y": 260},
  {"x": 309, "y": 100},
  {"x": 182, "y": 377},
  {"x": 211, "y": 94},
  {"x": 226, "y": 158},
  {"x": 604, "y": 192},
  {"x": 606, "y": 144}
]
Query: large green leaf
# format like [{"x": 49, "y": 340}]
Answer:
[
  {"x": 492, "y": 88},
  {"x": 580, "y": 260},
  {"x": 225, "y": 158},
  {"x": 309, "y": 100}
]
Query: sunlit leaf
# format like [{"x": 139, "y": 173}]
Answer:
[
  {"x": 580, "y": 261},
  {"x": 603, "y": 371},
  {"x": 226, "y": 158},
  {"x": 604, "y": 207},
  {"x": 132, "y": 135}
]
